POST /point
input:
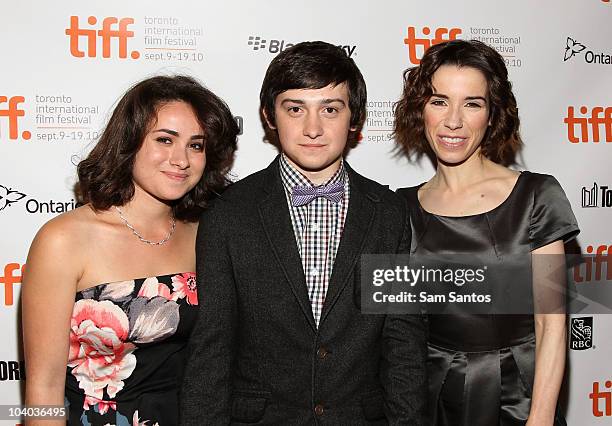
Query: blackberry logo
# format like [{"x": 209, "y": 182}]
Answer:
[
  {"x": 275, "y": 46},
  {"x": 581, "y": 333},
  {"x": 257, "y": 42}
]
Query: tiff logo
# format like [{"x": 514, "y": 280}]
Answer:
[
  {"x": 596, "y": 395},
  {"x": 9, "y": 279},
  {"x": 112, "y": 28},
  {"x": 578, "y": 127},
  {"x": 590, "y": 196},
  {"x": 582, "y": 333},
  {"x": 257, "y": 42},
  {"x": 417, "y": 45},
  {"x": 12, "y": 112},
  {"x": 603, "y": 257}
]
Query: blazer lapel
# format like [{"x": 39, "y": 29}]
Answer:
[
  {"x": 359, "y": 218},
  {"x": 276, "y": 219}
]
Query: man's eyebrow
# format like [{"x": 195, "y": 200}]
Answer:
[
  {"x": 321, "y": 102},
  {"x": 292, "y": 101},
  {"x": 332, "y": 100}
]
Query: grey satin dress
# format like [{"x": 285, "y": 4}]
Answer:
[{"x": 481, "y": 367}]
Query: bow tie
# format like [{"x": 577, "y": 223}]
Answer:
[{"x": 301, "y": 195}]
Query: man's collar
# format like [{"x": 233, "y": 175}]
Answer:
[{"x": 292, "y": 177}]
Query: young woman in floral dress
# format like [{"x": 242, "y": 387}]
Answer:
[{"x": 109, "y": 295}]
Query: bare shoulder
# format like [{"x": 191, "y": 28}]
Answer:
[
  {"x": 69, "y": 237},
  {"x": 60, "y": 249},
  {"x": 66, "y": 231}
]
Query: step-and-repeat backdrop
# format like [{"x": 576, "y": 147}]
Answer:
[{"x": 65, "y": 63}]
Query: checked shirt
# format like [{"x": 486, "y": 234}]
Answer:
[{"x": 318, "y": 228}]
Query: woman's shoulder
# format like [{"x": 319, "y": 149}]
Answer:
[
  {"x": 70, "y": 231},
  {"x": 541, "y": 187},
  {"x": 61, "y": 246},
  {"x": 540, "y": 179}
]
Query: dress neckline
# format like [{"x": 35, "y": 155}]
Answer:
[
  {"x": 134, "y": 279},
  {"x": 499, "y": 206}
]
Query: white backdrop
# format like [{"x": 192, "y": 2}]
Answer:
[{"x": 65, "y": 63}]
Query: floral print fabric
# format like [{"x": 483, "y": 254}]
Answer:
[{"x": 124, "y": 335}]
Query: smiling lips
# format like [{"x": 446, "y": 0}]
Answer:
[
  {"x": 176, "y": 176},
  {"x": 452, "y": 142}
]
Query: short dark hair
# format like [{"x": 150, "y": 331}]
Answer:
[
  {"x": 105, "y": 176},
  {"x": 502, "y": 140},
  {"x": 313, "y": 65}
]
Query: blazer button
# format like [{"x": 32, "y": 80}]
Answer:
[
  {"x": 322, "y": 353},
  {"x": 319, "y": 409}
]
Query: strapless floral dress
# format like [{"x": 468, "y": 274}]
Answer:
[{"x": 128, "y": 344}]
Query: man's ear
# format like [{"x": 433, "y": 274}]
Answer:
[{"x": 265, "y": 115}]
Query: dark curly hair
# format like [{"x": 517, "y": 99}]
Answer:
[
  {"x": 105, "y": 176},
  {"x": 502, "y": 141},
  {"x": 313, "y": 65}
]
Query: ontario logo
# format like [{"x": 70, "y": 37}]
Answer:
[
  {"x": 581, "y": 336},
  {"x": 274, "y": 46},
  {"x": 418, "y": 44},
  {"x": 13, "y": 114},
  {"x": 9, "y": 196},
  {"x": 86, "y": 41},
  {"x": 574, "y": 48},
  {"x": 596, "y": 196}
]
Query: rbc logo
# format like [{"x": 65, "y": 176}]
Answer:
[
  {"x": 111, "y": 28},
  {"x": 440, "y": 35},
  {"x": 12, "y": 112},
  {"x": 582, "y": 333}
]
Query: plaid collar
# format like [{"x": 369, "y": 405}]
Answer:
[{"x": 291, "y": 177}]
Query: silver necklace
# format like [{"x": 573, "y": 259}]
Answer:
[{"x": 143, "y": 239}]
